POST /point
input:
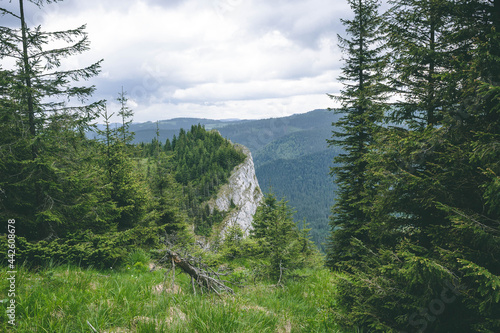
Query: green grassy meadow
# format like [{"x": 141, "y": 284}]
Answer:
[{"x": 135, "y": 299}]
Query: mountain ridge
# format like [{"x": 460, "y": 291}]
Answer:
[{"x": 291, "y": 157}]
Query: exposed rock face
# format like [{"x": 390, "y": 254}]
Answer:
[{"x": 240, "y": 196}]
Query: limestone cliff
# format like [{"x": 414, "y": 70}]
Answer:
[{"x": 240, "y": 196}]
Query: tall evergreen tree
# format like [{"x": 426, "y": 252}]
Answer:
[
  {"x": 419, "y": 56},
  {"x": 362, "y": 102},
  {"x": 435, "y": 266},
  {"x": 41, "y": 91}
]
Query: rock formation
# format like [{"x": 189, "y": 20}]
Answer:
[{"x": 240, "y": 196}]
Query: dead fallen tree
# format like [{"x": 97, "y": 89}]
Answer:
[{"x": 201, "y": 274}]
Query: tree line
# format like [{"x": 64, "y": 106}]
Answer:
[
  {"x": 199, "y": 161},
  {"x": 415, "y": 231}
]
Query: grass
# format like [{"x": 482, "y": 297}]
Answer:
[{"x": 65, "y": 298}]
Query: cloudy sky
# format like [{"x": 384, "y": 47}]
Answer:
[{"x": 219, "y": 59}]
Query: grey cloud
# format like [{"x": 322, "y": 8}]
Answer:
[
  {"x": 303, "y": 21},
  {"x": 153, "y": 64},
  {"x": 32, "y": 13}
]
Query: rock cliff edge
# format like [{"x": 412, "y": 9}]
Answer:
[{"x": 240, "y": 196}]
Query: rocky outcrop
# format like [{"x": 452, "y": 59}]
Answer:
[{"x": 240, "y": 196}]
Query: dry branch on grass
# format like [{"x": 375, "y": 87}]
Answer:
[{"x": 201, "y": 274}]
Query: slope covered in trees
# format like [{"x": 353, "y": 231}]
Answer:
[
  {"x": 200, "y": 161},
  {"x": 302, "y": 183},
  {"x": 291, "y": 156}
]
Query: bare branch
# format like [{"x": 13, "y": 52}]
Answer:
[
  {"x": 4, "y": 11},
  {"x": 205, "y": 277}
]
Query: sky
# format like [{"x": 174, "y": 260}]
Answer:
[{"x": 219, "y": 59}]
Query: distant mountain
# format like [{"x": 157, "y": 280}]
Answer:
[
  {"x": 145, "y": 132},
  {"x": 290, "y": 153}
]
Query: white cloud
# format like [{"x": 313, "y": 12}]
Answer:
[
  {"x": 242, "y": 109},
  {"x": 217, "y": 58},
  {"x": 255, "y": 90}
]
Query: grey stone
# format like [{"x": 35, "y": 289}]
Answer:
[{"x": 243, "y": 190}]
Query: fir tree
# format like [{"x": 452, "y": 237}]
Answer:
[
  {"x": 41, "y": 92},
  {"x": 362, "y": 108},
  {"x": 419, "y": 56}
]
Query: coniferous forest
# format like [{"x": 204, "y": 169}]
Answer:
[
  {"x": 110, "y": 235},
  {"x": 415, "y": 228}
]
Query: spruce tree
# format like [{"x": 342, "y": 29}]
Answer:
[
  {"x": 433, "y": 192},
  {"x": 168, "y": 194},
  {"x": 362, "y": 100},
  {"x": 126, "y": 114},
  {"x": 124, "y": 187},
  {"x": 46, "y": 99},
  {"x": 419, "y": 57},
  {"x": 278, "y": 237}
]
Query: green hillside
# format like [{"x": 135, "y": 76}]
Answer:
[
  {"x": 290, "y": 155},
  {"x": 107, "y": 269},
  {"x": 294, "y": 145},
  {"x": 307, "y": 186}
]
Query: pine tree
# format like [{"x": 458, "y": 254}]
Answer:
[
  {"x": 362, "y": 108},
  {"x": 41, "y": 93},
  {"x": 419, "y": 57},
  {"x": 280, "y": 240}
]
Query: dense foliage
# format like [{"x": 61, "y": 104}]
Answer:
[
  {"x": 90, "y": 201},
  {"x": 279, "y": 239},
  {"x": 425, "y": 255},
  {"x": 200, "y": 161}
]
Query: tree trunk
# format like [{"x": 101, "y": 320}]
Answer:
[
  {"x": 27, "y": 78},
  {"x": 205, "y": 277}
]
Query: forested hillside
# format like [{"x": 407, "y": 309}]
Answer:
[
  {"x": 291, "y": 157},
  {"x": 198, "y": 162}
]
